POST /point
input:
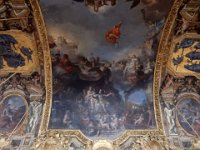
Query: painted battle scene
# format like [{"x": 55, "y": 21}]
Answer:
[
  {"x": 189, "y": 116},
  {"x": 12, "y": 112},
  {"x": 103, "y": 61}
]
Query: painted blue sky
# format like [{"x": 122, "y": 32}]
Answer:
[
  {"x": 138, "y": 97},
  {"x": 79, "y": 24}
]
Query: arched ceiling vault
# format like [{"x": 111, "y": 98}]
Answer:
[{"x": 104, "y": 74}]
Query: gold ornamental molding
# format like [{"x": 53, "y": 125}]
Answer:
[
  {"x": 180, "y": 71},
  {"x": 47, "y": 63},
  {"x": 55, "y": 135},
  {"x": 163, "y": 49}
]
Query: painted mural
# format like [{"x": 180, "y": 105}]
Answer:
[
  {"x": 188, "y": 116},
  {"x": 21, "y": 76},
  {"x": 180, "y": 89},
  {"x": 13, "y": 111},
  {"x": 99, "y": 74},
  {"x": 103, "y": 61}
]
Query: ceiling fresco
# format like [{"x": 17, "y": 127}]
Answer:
[
  {"x": 102, "y": 76},
  {"x": 99, "y": 74}
]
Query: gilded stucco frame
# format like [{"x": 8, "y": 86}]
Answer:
[
  {"x": 180, "y": 98},
  {"x": 161, "y": 61},
  {"x": 24, "y": 118},
  {"x": 173, "y": 44}
]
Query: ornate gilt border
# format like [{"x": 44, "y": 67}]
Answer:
[
  {"x": 163, "y": 49},
  {"x": 47, "y": 63},
  {"x": 28, "y": 68},
  {"x": 175, "y": 41},
  {"x": 181, "y": 97},
  {"x": 162, "y": 56},
  {"x": 24, "y": 119}
]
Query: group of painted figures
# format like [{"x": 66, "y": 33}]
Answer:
[
  {"x": 15, "y": 108},
  {"x": 99, "y": 3},
  {"x": 182, "y": 109},
  {"x": 101, "y": 107},
  {"x": 103, "y": 103}
]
